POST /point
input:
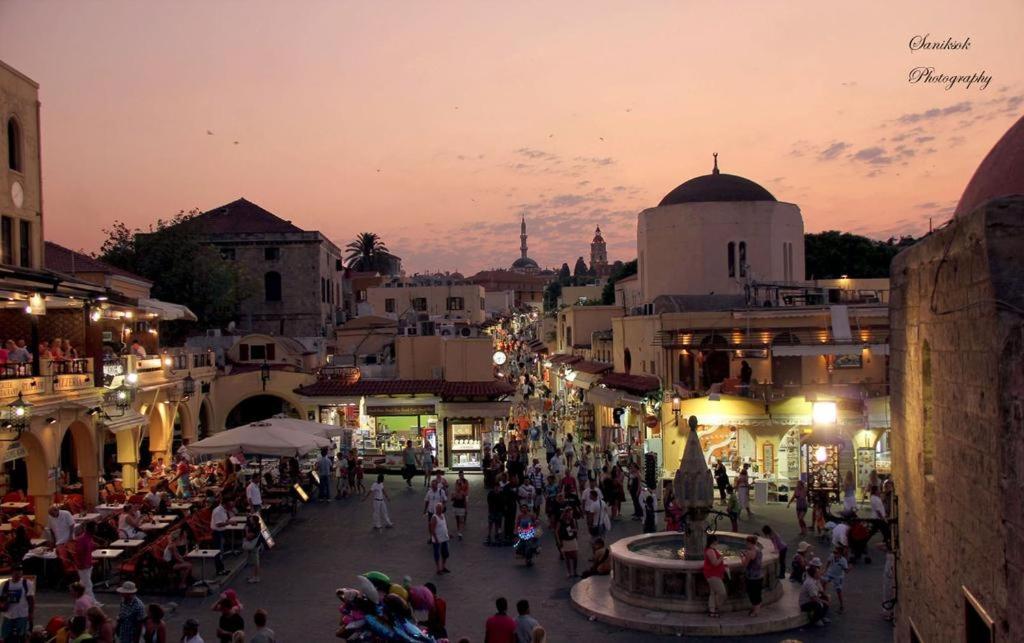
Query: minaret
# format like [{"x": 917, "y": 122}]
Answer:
[{"x": 522, "y": 238}]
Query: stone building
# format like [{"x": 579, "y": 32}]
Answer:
[
  {"x": 449, "y": 301},
  {"x": 958, "y": 414},
  {"x": 296, "y": 274},
  {"x": 21, "y": 198}
]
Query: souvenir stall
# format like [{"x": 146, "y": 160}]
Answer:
[{"x": 470, "y": 425}]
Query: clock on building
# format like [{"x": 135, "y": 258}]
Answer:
[
  {"x": 499, "y": 358},
  {"x": 17, "y": 194}
]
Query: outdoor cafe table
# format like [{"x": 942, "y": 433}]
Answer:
[
  {"x": 203, "y": 555},
  {"x": 180, "y": 506},
  {"x": 237, "y": 520},
  {"x": 166, "y": 517},
  {"x": 109, "y": 508},
  {"x": 129, "y": 543},
  {"x": 80, "y": 518},
  {"x": 153, "y": 527},
  {"x": 105, "y": 556},
  {"x": 44, "y": 553},
  {"x": 15, "y": 506}
]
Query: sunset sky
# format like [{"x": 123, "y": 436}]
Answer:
[{"x": 437, "y": 124}]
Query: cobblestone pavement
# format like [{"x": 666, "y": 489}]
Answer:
[{"x": 328, "y": 544}]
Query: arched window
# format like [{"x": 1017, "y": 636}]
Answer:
[
  {"x": 743, "y": 258},
  {"x": 927, "y": 411},
  {"x": 732, "y": 259},
  {"x": 272, "y": 286},
  {"x": 13, "y": 145}
]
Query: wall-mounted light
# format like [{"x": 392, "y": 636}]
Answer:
[
  {"x": 51, "y": 420},
  {"x": 265, "y": 373},
  {"x": 132, "y": 379},
  {"x": 95, "y": 314},
  {"x": 676, "y": 407},
  {"x": 168, "y": 361},
  {"x": 824, "y": 413}
]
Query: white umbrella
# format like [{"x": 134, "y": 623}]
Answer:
[
  {"x": 260, "y": 438},
  {"x": 305, "y": 426}
]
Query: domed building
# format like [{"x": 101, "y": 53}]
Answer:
[
  {"x": 524, "y": 264},
  {"x": 715, "y": 234}
]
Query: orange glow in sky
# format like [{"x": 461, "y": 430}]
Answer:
[{"x": 437, "y": 125}]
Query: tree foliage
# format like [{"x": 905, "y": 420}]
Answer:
[
  {"x": 619, "y": 271},
  {"x": 367, "y": 253},
  {"x": 580, "y": 270},
  {"x": 182, "y": 268},
  {"x": 832, "y": 254}
]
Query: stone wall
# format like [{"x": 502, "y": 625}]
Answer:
[{"x": 961, "y": 290}]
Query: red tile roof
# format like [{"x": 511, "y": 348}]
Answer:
[
  {"x": 440, "y": 388},
  {"x": 636, "y": 384},
  {"x": 594, "y": 368},
  {"x": 243, "y": 216},
  {"x": 60, "y": 259}
]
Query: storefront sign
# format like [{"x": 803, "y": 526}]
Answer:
[
  {"x": 14, "y": 452},
  {"x": 72, "y": 382},
  {"x": 384, "y": 411},
  {"x": 11, "y": 388}
]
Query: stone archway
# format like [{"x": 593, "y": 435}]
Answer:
[
  {"x": 158, "y": 434},
  {"x": 205, "y": 423},
  {"x": 257, "y": 407},
  {"x": 40, "y": 487},
  {"x": 86, "y": 457}
]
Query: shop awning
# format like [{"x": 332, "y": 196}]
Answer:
[
  {"x": 728, "y": 410},
  {"x": 797, "y": 411},
  {"x": 810, "y": 350},
  {"x": 879, "y": 416},
  {"x": 638, "y": 385},
  {"x": 166, "y": 310},
  {"x": 612, "y": 398},
  {"x": 537, "y": 346},
  {"x": 585, "y": 380},
  {"x": 130, "y": 420},
  {"x": 562, "y": 358},
  {"x": 474, "y": 409}
]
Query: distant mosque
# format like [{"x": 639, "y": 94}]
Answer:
[{"x": 524, "y": 264}]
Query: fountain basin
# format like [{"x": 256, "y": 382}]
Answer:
[{"x": 646, "y": 574}]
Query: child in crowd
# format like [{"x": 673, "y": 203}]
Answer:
[{"x": 836, "y": 567}]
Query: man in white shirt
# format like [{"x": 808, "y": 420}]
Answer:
[
  {"x": 435, "y": 495},
  {"x": 254, "y": 496},
  {"x": 21, "y": 605},
  {"x": 877, "y": 506},
  {"x": 841, "y": 535},
  {"x": 379, "y": 496},
  {"x": 61, "y": 524},
  {"x": 218, "y": 521},
  {"x": 556, "y": 465}
]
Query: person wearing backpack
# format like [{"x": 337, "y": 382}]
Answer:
[{"x": 18, "y": 602}]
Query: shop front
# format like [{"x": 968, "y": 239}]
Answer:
[
  {"x": 623, "y": 408},
  {"x": 390, "y": 426},
  {"x": 469, "y": 426}
]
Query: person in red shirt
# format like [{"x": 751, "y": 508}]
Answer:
[
  {"x": 500, "y": 628},
  {"x": 84, "y": 546}
]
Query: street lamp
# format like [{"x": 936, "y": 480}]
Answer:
[
  {"x": 188, "y": 387},
  {"x": 17, "y": 416},
  {"x": 264, "y": 374}
]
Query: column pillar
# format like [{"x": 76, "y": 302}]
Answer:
[
  {"x": 128, "y": 458},
  {"x": 90, "y": 489}
]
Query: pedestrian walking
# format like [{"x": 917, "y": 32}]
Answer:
[
  {"x": 835, "y": 574},
  {"x": 494, "y": 516},
  {"x": 849, "y": 493},
  {"x": 649, "y": 521},
  {"x": 251, "y": 546},
  {"x": 18, "y": 596},
  {"x": 427, "y": 462},
  {"x": 409, "y": 463},
  {"x": 500, "y": 627},
  {"x": 568, "y": 545},
  {"x": 721, "y": 480},
  {"x": 752, "y": 563},
  {"x": 340, "y": 476},
  {"x": 800, "y": 498},
  {"x": 569, "y": 451},
  {"x": 84, "y": 546},
  {"x": 190, "y": 632},
  {"x": 525, "y": 623},
  {"x": 130, "y": 615},
  {"x": 380, "y": 498},
  {"x": 714, "y": 572},
  {"x": 460, "y": 502},
  {"x": 556, "y": 464},
  {"x": 743, "y": 489},
  {"x": 323, "y": 469},
  {"x": 634, "y": 491},
  {"x": 732, "y": 507},
  {"x": 439, "y": 538}
]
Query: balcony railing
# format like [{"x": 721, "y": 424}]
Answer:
[
  {"x": 14, "y": 371},
  {"x": 76, "y": 366}
]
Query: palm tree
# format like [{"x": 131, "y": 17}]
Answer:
[{"x": 367, "y": 253}]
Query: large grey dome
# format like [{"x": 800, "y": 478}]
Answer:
[
  {"x": 524, "y": 263},
  {"x": 717, "y": 187}
]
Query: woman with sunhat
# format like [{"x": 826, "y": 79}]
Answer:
[{"x": 131, "y": 614}]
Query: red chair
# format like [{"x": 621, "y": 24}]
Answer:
[{"x": 75, "y": 503}]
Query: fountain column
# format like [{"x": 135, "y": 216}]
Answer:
[{"x": 694, "y": 489}]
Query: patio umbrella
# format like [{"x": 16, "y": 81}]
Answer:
[{"x": 260, "y": 439}]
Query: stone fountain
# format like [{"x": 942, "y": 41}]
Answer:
[
  {"x": 657, "y": 582},
  {"x": 695, "y": 494}
]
